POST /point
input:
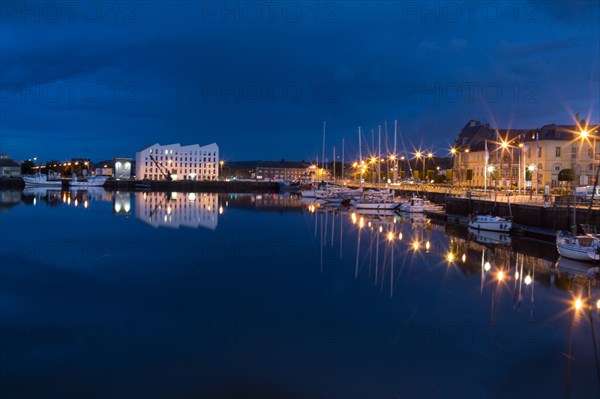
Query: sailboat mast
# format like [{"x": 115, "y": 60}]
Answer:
[
  {"x": 387, "y": 151},
  {"x": 343, "y": 166},
  {"x": 379, "y": 160},
  {"x": 360, "y": 158},
  {"x": 323, "y": 158},
  {"x": 395, "y": 154},
  {"x": 333, "y": 163}
]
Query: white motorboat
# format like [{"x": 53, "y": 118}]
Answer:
[
  {"x": 414, "y": 205},
  {"x": 308, "y": 193},
  {"x": 377, "y": 201},
  {"x": 577, "y": 247},
  {"x": 90, "y": 181},
  {"x": 40, "y": 180},
  {"x": 490, "y": 223}
]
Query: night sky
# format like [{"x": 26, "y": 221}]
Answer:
[{"x": 105, "y": 79}]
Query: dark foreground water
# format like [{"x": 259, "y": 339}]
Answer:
[{"x": 115, "y": 295}]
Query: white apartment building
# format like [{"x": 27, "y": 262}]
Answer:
[{"x": 190, "y": 162}]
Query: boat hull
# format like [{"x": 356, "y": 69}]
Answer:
[
  {"x": 384, "y": 206},
  {"x": 413, "y": 209},
  {"x": 502, "y": 226},
  {"x": 577, "y": 253},
  {"x": 96, "y": 182},
  {"x": 37, "y": 182}
]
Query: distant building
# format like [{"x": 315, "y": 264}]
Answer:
[
  {"x": 104, "y": 172},
  {"x": 191, "y": 162},
  {"x": 122, "y": 168},
  {"x": 268, "y": 170},
  {"x": 282, "y": 170},
  {"x": 541, "y": 153},
  {"x": 8, "y": 167}
]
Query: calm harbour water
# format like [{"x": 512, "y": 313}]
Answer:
[{"x": 176, "y": 295}]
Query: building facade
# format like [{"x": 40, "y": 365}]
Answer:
[
  {"x": 282, "y": 170},
  {"x": 191, "y": 162},
  {"x": 8, "y": 167},
  {"x": 525, "y": 158}
]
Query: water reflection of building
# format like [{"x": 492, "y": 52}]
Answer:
[
  {"x": 272, "y": 202},
  {"x": 56, "y": 197},
  {"x": 178, "y": 209},
  {"x": 9, "y": 198},
  {"x": 122, "y": 203}
]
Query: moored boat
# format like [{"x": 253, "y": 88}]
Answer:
[
  {"x": 40, "y": 180},
  {"x": 414, "y": 205},
  {"x": 490, "y": 223},
  {"x": 90, "y": 181},
  {"x": 577, "y": 247}
]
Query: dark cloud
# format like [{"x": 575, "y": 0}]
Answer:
[{"x": 186, "y": 72}]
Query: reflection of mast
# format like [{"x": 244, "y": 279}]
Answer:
[
  {"x": 360, "y": 225},
  {"x": 569, "y": 354},
  {"x": 532, "y": 289},
  {"x": 341, "y": 232},
  {"x": 377, "y": 255},
  {"x": 392, "y": 265},
  {"x": 332, "y": 229},
  {"x": 592, "y": 329},
  {"x": 482, "y": 271},
  {"x": 322, "y": 244}
]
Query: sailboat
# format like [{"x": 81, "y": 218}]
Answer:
[{"x": 584, "y": 247}]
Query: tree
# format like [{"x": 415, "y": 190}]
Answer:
[
  {"x": 430, "y": 175},
  {"x": 449, "y": 174},
  {"x": 27, "y": 168}
]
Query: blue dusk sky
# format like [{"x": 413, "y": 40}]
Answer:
[{"x": 104, "y": 79}]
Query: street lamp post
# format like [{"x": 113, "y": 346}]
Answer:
[
  {"x": 531, "y": 169},
  {"x": 430, "y": 156},
  {"x": 453, "y": 152}
]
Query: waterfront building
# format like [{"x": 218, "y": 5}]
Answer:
[
  {"x": 176, "y": 210},
  {"x": 8, "y": 167},
  {"x": 122, "y": 168},
  {"x": 268, "y": 170},
  {"x": 282, "y": 170},
  {"x": 190, "y": 162},
  {"x": 524, "y": 157}
]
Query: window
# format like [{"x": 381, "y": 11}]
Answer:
[
  {"x": 557, "y": 151},
  {"x": 573, "y": 152},
  {"x": 590, "y": 153}
]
